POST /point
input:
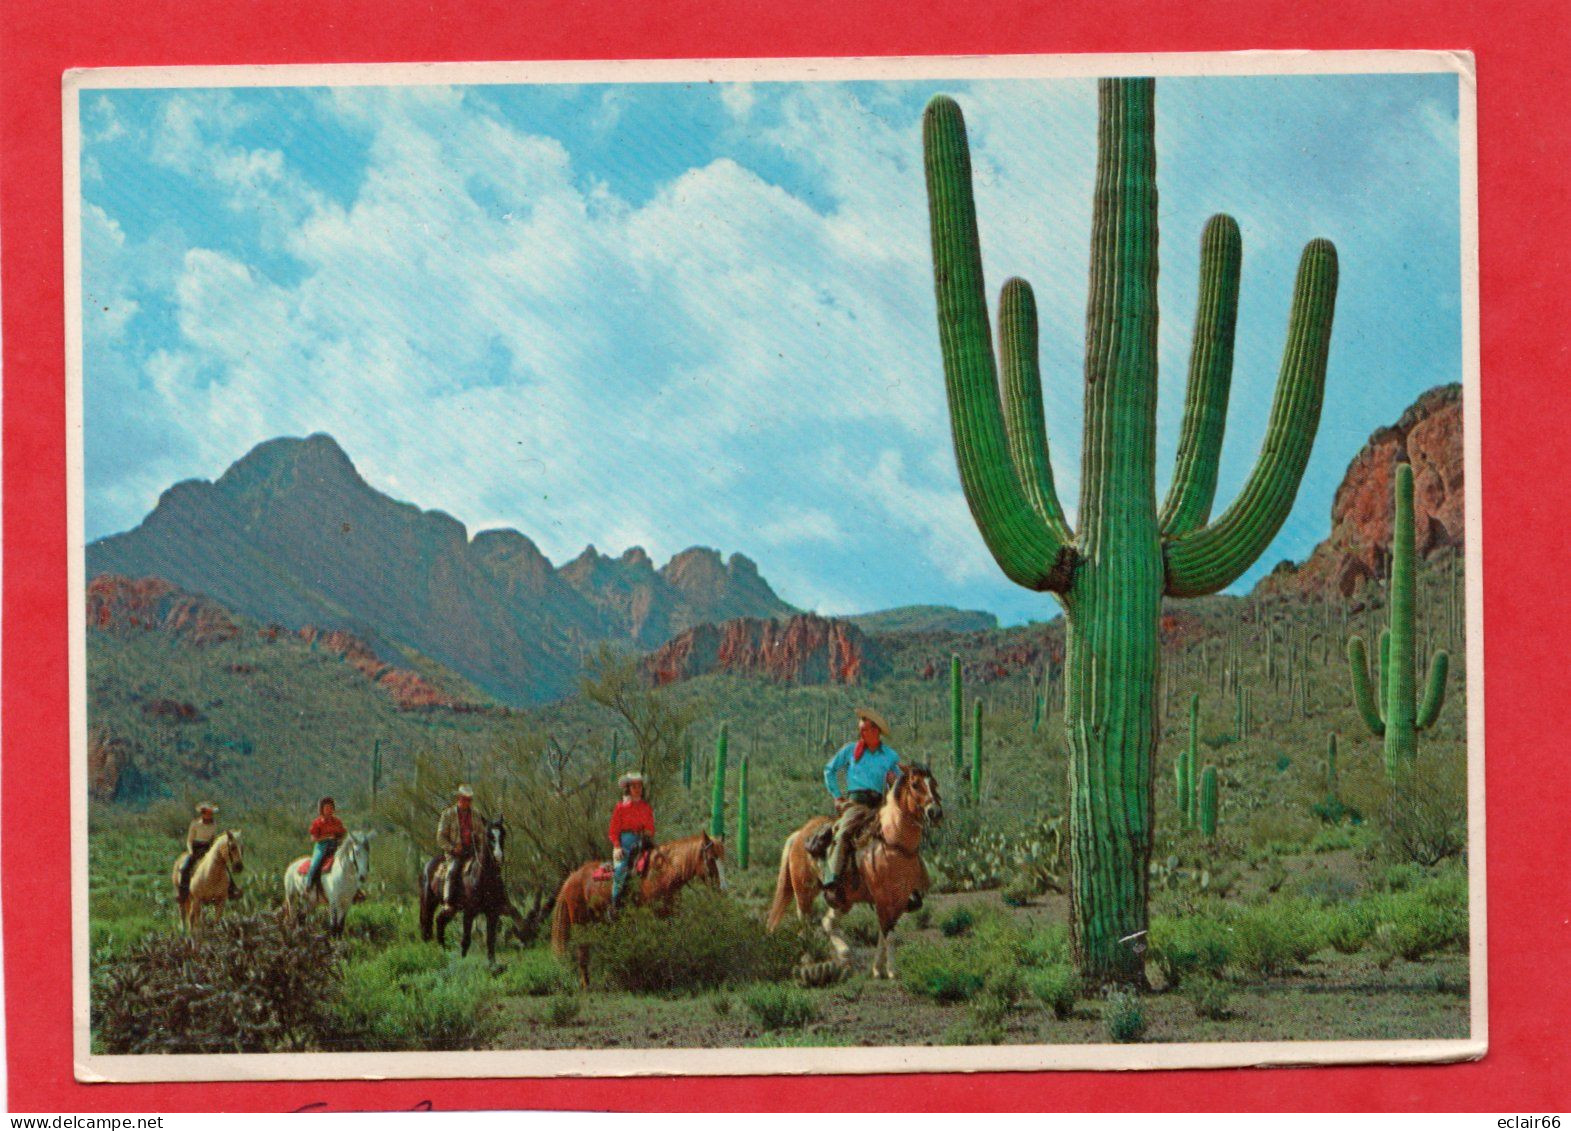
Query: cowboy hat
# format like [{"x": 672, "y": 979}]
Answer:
[
  {"x": 629, "y": 778},
  {"x": 207, "y": 806},
  {"x": 463, "y": 791},
  {"x": 875, "y": 718}
]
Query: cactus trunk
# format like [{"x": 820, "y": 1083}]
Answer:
[
  {"x": 717, "y": 797},
  {"x": 976, "y": 752},
  {"x": 1331, "y": 782},
  {"x": 742, "y": 816},
  {"x": 1111, "y": 574},
  {"x": 956, "y": 714},
  {"x": 1208, "y": 802}
]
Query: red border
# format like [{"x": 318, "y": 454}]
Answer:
[{"x": 1525, "y": 150}]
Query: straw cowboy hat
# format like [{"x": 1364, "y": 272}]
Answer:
[
  {"x": 206, "y": 807},
  {"x": 875, "y": 718},
  {"x": 629, "y": 778},
  {"x": 463, "y": 791}
]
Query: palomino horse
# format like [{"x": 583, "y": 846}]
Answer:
[
  {"x": 483, "y": 893},
  {"x": 886, "y": 873},
  {"x": 584, "y": 896},
  {"x": 209, "y": 879},
  {"x": 336, "y": 888}
]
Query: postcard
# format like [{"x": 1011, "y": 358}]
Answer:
[{"x": 813, "y": 566}]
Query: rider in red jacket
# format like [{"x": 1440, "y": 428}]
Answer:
[{"x": 632, "y": 827}]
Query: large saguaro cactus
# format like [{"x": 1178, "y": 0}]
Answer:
[
  {"x": 1112, "y": 572},
  {"x": 1399, "y": 716}
]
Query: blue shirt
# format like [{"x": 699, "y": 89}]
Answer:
[{"x": 868, "y": 773}]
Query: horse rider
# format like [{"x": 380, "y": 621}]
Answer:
[
  {"x": 632, "y": 831},
  {"x": 199, "y": 837},
  {"x": 326, "y": 833},
  {"x": 871, "y": 766},
  {"x": 455, "y": 836}
]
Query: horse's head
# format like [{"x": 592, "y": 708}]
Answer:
[
  {"x": 496, "y": 839},
  {"x": 916, "y": 792},
  {"x": 357, "y": 849},
  {"x": 234, "y": 856},
  {"x": 711, "y": 856}
]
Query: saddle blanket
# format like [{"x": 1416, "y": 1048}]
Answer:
[
  {"x": 607, "y": 870},
  {"x": 305, "y": 866}
]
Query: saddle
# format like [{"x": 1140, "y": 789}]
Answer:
[
  {"x": 606, "y": 869},
  {"x": 327, "y": 866}
]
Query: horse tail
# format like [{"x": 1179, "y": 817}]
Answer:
[
  {"x": 782, "y": 899},
  {"x": 561, "y": 920}
]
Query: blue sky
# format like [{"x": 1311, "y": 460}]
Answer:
[{"x": 679, "y": 314}]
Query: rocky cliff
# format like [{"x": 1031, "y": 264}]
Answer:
[
  {"x": 804, "y": 649},
  {"x": 1428, "y": 436}
]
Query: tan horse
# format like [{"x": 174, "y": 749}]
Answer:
[
  {"x": 209, "y": 879},
  {"x": 886, "y": 873},
  {"x": 583, "y": 898}
]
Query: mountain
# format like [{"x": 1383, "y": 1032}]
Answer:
[
  {"x": 291, "y": 534},
  {"x": 804, "y": 649},
  {"x": 925, "y": 618},
  {"x": 1429, "y": 436}
]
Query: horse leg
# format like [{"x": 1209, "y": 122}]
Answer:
[
  {"x": 427, "y": 910},
  {"x": 490, "y": 937},
  {"x": 469, "y": 926},
  {"x": 837, "y": 941},
  {"x": 583, "y": 966},
  {"x": 442, "y": 917}
]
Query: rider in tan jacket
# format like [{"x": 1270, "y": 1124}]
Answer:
[
  {"x": 199, "y": 837},
  {"x": 456, "y": 831}
]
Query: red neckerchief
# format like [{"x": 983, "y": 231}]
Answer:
[{"x": 862, "y": 748}]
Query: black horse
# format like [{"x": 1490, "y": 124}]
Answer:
[{"x": 482, "y": 893}]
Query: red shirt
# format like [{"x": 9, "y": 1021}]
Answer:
[
  {"x": 631, "y": 816},
  {"x": 466, "y": 833},
  {"x": 328, "y": 828}
]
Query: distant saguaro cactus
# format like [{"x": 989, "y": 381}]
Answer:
[
  {"x": 956, "y": 713},
  {"x": 1208, "y": 789},
  {"x": 742, "y": 816},
  {"x": 1398, "y": 716},
  {"x": 976, "y": 751},
  {"x": 1111, "y": 574},
  {"x": 1331, "y": 782},
  {"x": 1184, "y": 768},
  {"x": 717, "y": 795}
]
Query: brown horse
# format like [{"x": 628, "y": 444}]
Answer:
[
  {"x": 209, "y": 879},
  {"x": 886, "y": 873},
  {"x": 584, "y": 898}
]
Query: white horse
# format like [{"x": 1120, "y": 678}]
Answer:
[{"x": 337, "y": 887}]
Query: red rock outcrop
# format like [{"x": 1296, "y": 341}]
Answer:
[
  {"x": 122, "y": 605},
  {"x": 107, "y": 761},
  {"x": 410, "y": 690},
  {"x": 805, "y": 649},
  {"x": 1428, "y": 436}
]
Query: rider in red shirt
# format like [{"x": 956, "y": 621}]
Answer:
[
  {"x": 632, "y": 827},
  {"x": 326, "y": 831}
]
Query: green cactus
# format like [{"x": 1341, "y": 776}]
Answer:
[
  {"x": 1185, "y": 767},
  {"x": 687, "y": 767},
  {"x": 1208, "y": 802},
  {"x": 976, "y": 751},
  {"x": 1398, "y": 716},
  {"x": 1331, "y": 782},
  {"x": 717, "y": 796},
  {"x": 616, "y": 751},
  {"x": 956, "y": 713},
  {"x": 1111, "y": 574},
  {"x": 1036, "y": 713},
  {"x": 742, "y": 816},
  {"x": 376, "y": 770}
]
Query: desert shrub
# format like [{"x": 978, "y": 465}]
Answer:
[
  {"x": 398, "y": 1000},
  {"x": 860, "y": 927},
  {"x": 254, "y": 983},
  {"x": 1275, "y": 937},
  {"x": 1045, "y": 946},
  {"x": 378, "y": 924},
  {"x": 1123, "y": 1016},
  {"x": 998, "y": 997},
  {"x": 721, "y": 1004},
  {"x": 1425, "y": 814},
  {"x": 1401, "y": 877},
  {"x": 1182, "y": 947},
  {"x": 943, "y": 973},
  {"x": 1326, "y": 888},
  {"x": 971, "y": 857},
  {"x": 1020, "y": 892},
  {"x": 1331, "y": 811},
  {"x": 535, "y": 973},
  {"x": 956, "y": 922},
  {"x": 564, "y": 1008},
  {"x": 779, "y": 1006},
  {"x": 1210, "y": 997},
  {"x": 1348, "y": 931},
  {"x": 708, "y": 940},
  {"x": 1413, "y": 928},
  {"x": 1057, "y": 987}
]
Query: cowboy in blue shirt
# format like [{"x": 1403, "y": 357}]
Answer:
[{"x": 870, "y": 765}]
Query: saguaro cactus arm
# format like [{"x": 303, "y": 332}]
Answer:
[
  {"x": 1026, "y": 546},
  {"x": 1434, "y": 692},
  {"x": 1214, "y": 556},
  {"x": 1024, "y": 417},
  {"x": 1193, "y": 489},
  {"x": 1363, "y": 694}
]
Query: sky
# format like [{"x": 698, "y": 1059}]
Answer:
[{"x": 685, "y": 314}]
